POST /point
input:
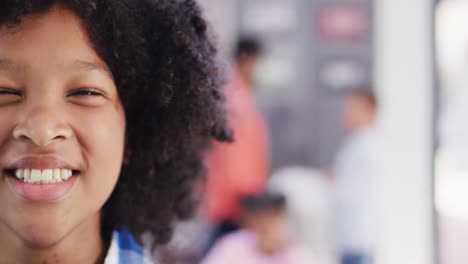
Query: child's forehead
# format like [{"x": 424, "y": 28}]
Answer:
[
  {"x": 54, "y": 37},
  {"x": 59, "y": 16}
]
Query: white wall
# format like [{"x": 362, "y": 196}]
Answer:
[
  {"x": 222, "y": 15},
  {"x": 404, "y": 81}
]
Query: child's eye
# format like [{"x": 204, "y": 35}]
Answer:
[
  {"x": 87, "y": 97},
  {"x": 86, "y": 92},
  {"x": 9, "y": 96},
  {"x": 6, "y": 91}
]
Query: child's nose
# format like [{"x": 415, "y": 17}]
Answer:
[{"x": 42, "y": 126}]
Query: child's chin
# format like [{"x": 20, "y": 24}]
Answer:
[{"x": 42, "y": 236}]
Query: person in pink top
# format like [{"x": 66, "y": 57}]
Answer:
[
  {"x": 241, "y": 168},
  {"x": 264, "y": 238}
]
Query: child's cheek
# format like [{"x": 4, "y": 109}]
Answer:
[{"x": 101, "y": 136}]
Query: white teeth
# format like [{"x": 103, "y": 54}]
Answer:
[
  {"x": 47, "y": 176},
  {"x": 56, "y": 176},
  {"x": 27, "y": 175},
  {"x": 43, "y": 176},
  {"x": 35, "y": 176},
  {"x": 65, "y": 174},
  {"x": 20, "y": 174}
]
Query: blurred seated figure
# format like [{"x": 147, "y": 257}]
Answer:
[
  {"x": 309, "y": 196},
  {"x": 264, "y": 238}
]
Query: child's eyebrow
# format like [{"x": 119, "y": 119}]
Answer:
[
  {"x": 82, "y": 65},
  {"x": 9, "y": 66},
  {"x": 77, "y": 65}
]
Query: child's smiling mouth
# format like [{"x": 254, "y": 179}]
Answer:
[
  {"x": 41, "y": 178},
  {"x": 36, "y": 176}
]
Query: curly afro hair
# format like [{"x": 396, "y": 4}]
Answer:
[{"x": 163, "y": 62}]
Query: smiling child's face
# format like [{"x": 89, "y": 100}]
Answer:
[{"x": 62, "y": 129}]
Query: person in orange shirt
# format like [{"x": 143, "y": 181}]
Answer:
[{"x": 239, "y": 169}]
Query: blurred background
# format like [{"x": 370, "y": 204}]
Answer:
[{"x": 351, "y": 142}]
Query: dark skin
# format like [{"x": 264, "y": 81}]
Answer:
[
  {"x": 43, "y": 114},
  {"x": 269, "y": 227},
  {"x": 246, "y": 67}
]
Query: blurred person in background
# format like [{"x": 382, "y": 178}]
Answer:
[
  {"x": 241, "y": 168},
  {"x": 309, "y": 196},
  {"x": 355, "y": 175},
  {"x": 264, "y": 238}
]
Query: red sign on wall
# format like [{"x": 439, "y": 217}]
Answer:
[{"x": 343, "y": 22}]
